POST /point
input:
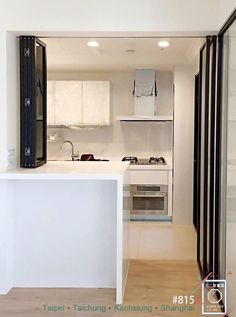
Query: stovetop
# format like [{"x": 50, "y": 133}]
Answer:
[{"x": 145, "y": 161}]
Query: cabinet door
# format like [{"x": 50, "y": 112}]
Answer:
[
  {"x": 68, "y": 102},
  {"x": 50, "y": 102},
  {"x": 149, "y": 177},
  {"x": 96, "y": 102}
]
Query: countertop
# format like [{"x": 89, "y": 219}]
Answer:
[
  {"x": 143, "y": 167},
  {"x": 70, "y": 170}
]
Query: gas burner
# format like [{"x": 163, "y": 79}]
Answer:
[
  {"x": 145, "y": 161},
  {"x": 161, "y": 160},
  {"x": 153, "y": 160},
  {"x": 131, "y": 159}
]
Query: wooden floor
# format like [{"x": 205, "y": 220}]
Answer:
[
  {"x": 147, "y": 243},
  {"x": 150, "y": 285}
]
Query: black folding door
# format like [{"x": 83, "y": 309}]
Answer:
[
  {"x": 33, "y": 102},
  {"x": 197, "y": 135},
  {"x": 206, "y": 160}
]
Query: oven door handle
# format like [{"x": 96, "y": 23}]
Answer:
[{"x": 150, "y": 195}]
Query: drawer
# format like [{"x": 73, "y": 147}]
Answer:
[{"x": 149, "y": 177}]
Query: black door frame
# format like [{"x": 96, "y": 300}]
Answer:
[
  {"x": 214, "y": 155},
  {"x": 29, "y": 122},
  {"x": 218, "y": 153},
  {"x": 200, "y": 163},
  {"x": 219, "y": 216},
  {"x": 206, "y": 265},
  {"x": 207, "y": 165},
  {"x": 197, "y": 148}
]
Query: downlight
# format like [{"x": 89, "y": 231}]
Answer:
[
  {"x": 163, "y": 44},
  {"x": 93, "y": 44}
]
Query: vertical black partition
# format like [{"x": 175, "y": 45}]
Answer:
[
  {"x": 211, "y": 157},
  {"x": 206, "y": 147},
  {"x": 201, "y": 215},
  {"x": 33, "y": 102},
  {"x": 218, "y": 151},
  {"x": 197, "y": 135}
]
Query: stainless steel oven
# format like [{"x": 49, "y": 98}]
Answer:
[{"x": 149, "y": 202}]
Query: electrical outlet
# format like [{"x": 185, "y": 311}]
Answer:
[{"x": 11, "y": 158}]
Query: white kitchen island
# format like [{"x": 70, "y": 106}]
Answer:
[{"x": 65, "y": 224}]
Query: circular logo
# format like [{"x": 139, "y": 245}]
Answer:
[{"x": 214, "y": 296}]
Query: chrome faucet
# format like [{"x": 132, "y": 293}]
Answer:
[{"x": 73, "y": 154}]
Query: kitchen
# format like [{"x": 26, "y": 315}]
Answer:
[
  {"x": 123, "y": 135},
  {"x": 123, "y": 131},
  {"x": 65, "y": 226}
]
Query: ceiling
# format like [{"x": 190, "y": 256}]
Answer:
[{"x": 119, "y": 54}]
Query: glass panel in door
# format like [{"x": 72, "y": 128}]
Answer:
[
  {"x": 228, "y": 219},
  {"x": 207, "y": 157},
  {"x": 202, "y": 105},
  {"x": 149, "y": 205}
]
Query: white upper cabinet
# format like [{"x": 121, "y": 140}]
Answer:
[
  {"x": 96, "y": 103},
  {"x": 78, "y": 103},
  {"x": 68, "y": 102}
]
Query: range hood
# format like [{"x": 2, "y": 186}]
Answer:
[
  {"x": 145, "y": 98},
  {"x": 145, "y": 92}
]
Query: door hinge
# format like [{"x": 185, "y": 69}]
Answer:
[
  {"x": 27, "y": 151},
  {"x": 27, "y": 102},
  {"x": 27, "y": 52}
]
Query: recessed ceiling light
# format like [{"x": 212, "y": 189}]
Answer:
[
  {"x": 130, "y": 51},
  {"x": 163, "y": 44},
  {"x": 93, "y": 44}
]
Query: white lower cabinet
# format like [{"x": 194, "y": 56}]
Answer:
[
  {"x": 81, "y": 103},
  {"x": 149, "y": 177}
]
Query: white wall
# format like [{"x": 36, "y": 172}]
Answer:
[
  {"x": 120, "y": 139},
  {"x": 109, "y": 15},
  {"x": 3, "y": 102},
  {"x": 226, "y": 7},
  {"x": 183, "y": 144},
  {"x": 9, "y": 99},
  {"x": 13, "y": 93}
]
